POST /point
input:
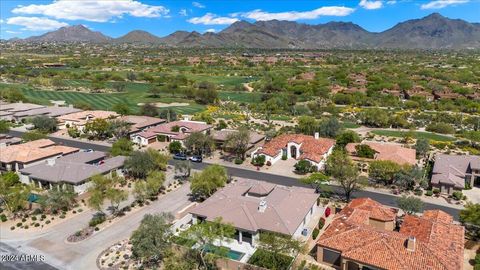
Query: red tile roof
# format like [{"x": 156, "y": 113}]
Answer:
[
  {"x": 388, "y": 151},
  {"x": 439, "y": 242},
  {"x": 311, "y": 148}
]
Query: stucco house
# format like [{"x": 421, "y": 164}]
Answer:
[
  {"x": 80, "y": 119},
  {"x": 297, "y": 146},
  {"x": 361, "y": 237},
  {"x": 383, "y": 151},
  {"x": 19, "y": 156},
  {"x": 172, "y": 131},
  {"x": 253, "y": 207},
  {"x": 455, "y": 172},
  {"x": 75, "y": 170}
]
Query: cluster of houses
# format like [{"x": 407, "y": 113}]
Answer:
[{"x": 363, "y": 235}]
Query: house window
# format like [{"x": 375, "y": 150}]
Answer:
[{"x": 331, "y": 257}]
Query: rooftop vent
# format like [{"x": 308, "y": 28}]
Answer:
[
  {"x": 51, "y": 161},
  {"x": 262, "y": 206},
  {"x": 411, "y": 243}
]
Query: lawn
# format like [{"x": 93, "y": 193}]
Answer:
[
  {"x": 417, "y": 134},
  {"x": 106, "y": 101}
]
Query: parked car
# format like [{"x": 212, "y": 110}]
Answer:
[
  {"x": 196, "y": 159},
  {"x": 180, "y": 156}
]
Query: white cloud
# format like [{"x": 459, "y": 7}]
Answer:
[
  {"x": 438, "y": 4},
  {"x": 91, "y": 10},
  {"x": 13, "y": 32},
  {"x": 211, "y": 30},
  {"x": 36, "y": 23},
  {"x": 2, "y": 21},
  {"x": 260, "y": 15},
  {"x": 366, "y": 4},
  {"x": 183, "y": 12},
  {"x": 392, "y": 2},
  {"x": 198, "y": 5},
  {"x": 212, "y": 19}
]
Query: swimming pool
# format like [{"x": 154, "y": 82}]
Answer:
[{"x": 231, "y": 254}]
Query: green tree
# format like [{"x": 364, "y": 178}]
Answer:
[
  {"x": 278, "y": 245},
  {"x": 175, "y": 147},
  {"x": 45, "y": 123},
  {"x": 303, "y": 166},
  {"x": 121, "y": 108},
  {"x": 140, "y": 163},
  {"x": 151, "y": 240},
  {"x": 206, "y": 234},
  {"x": 383, "y": 170},
  {"x": 237, "y": 142},
  {"x": 345, "y": 172},
  {"x": 442, "y": 128},
  {"x": 155, "y": 180},
  {"x": 58, "y": 199},
  {"x": 346, "y": 137},
  {"x": 122, "y": 147},
  {"x": 409, "y": 178},
  {"x": 422, "y": 146},
  {"x": 140, "y": 191},
  {"x": 168, "y": 114},
  {"x": 119, "y": 86},
  {"x": 183, "y": 168},
  {"x": 13, "y": 193},
  {"x": 317, "y": 180},
  {"x": 330, "y": 128},
  {"x": 119, "y": 128},
  {"x": 148, "y": 109},
  {"x": 205, "y": 183},
  {"x": 98, "y": 128},
  {"x": 470, "y": 218},
  {"x": 33, "y": 136},
  {"x": 199, "y": 143},
  {"x": 155, "y": 91},
  {"x": 307, "y": 125},
  {"x": 4, "y": 126},
  {"x": 105, "y": 188},
  {"x": 364, "y": 151},
  {"x": 410, "y": 205},
  {"x": 374, "y": 117}
]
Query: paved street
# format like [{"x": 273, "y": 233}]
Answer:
[
  {"x": 386, "y": 199},
  {"x": 82, "y": 255}
]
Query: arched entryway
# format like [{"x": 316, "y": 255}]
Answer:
[{"x": 293, "y": 151}]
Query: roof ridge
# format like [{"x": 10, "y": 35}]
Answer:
[
  {"x": 280, "y": 217},
  {"x": 249, "y": 216}
]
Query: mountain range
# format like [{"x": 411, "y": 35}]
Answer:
[{"x": 431, "y": 32}]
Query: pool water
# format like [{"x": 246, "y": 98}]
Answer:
[{"x": 231, "y": 254}]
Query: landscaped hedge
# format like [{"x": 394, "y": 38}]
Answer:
[{"x": 270, "y": 260}]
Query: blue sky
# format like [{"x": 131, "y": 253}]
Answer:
[{"x": 117, "y": 17}]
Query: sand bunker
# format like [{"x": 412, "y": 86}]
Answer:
[{"x": 166, "y": 105}]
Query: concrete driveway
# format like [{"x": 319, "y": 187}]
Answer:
[{"x": 83, "y": 255}]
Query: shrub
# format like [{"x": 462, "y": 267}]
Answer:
[
  {"x": 12, "y": 228},
  {"x": 418, "y": 192},
  {"x": 258, "y": 160},
  {"x": 24, "y": 219},
  {"x": 284, "y": 157},
  {"x": 37, "y": 224},
  {"x": 97, "y": 219},
  {"x": 3, "y": 218},
  {"x": 25, "y": 227},
  {"x": 429, "y": 193},
  {"x": 34, "y": 218},
  {"x": 19, "y": 224},
  {"x": 315, "y": 233},
  {"x": 321, "y": 223},
  {"x": 269, "y": 163},
  {"x": 238, "y": 161},
  {"x": 80, "y": 210},
  {"x": 269, "y": 260},
  {"x": 303, "y": 166},
  {"x": 62, "y": 216},
  {"x": 457, "y": 195},
  {"x": 43, "y": 216},
  {"x": 47, "y": 221},
  {"x": 97, "y": 229},
  {"x": 37, "y": 211}
]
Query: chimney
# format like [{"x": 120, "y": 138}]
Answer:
[
  {"x": 411, "y": 243},
  {"x": 51, "y": 161},
  {"x": 317, "y": 135},
  {"x": 262, "y": 206}
]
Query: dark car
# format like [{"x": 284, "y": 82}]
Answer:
[
  {"x": 196, "y": 158},
  {"x": 180, "y": 156}
]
